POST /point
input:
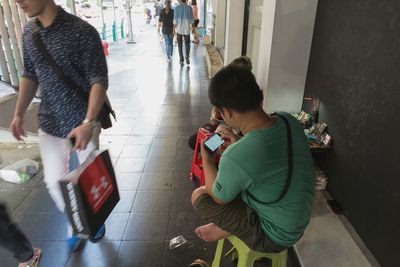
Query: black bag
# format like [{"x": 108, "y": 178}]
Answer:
[
  {"x": 90, "y": 193},
  {"x": 104, "y": 116}
]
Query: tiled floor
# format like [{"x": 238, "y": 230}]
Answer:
[{"x": 159, "y": 105}]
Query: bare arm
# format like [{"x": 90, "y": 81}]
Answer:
[
  {"x": 97, "y": 97},
  {"x": 159, "y": 26},
  {"x": 210, "y": 173},
  {"x": 83, "y": 133},
  {"x": 27, "y": 91}
]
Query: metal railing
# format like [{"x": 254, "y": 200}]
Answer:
[{"x": 114, "y": 32}]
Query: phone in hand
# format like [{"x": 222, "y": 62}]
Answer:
[
  {"x": 214, "y": 142},
  {"x": 73, "y": 141}
]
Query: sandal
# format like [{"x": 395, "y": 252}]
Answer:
[
  {"x": 34, "y": 262},
  {"x": 199, "y": 263}
]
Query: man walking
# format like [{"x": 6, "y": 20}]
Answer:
[
  {"x": 183, "y": 20},
  {"x": 76, "y": 48}
]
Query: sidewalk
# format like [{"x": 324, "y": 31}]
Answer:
[{"x": 158, "y": 106}]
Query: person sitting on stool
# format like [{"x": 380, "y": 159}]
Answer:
[{"x": 263, "y": 189}]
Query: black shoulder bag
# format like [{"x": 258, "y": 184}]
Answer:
[
  {"x": 290, "y": 166},
  {"x": 106, "y": 111}
]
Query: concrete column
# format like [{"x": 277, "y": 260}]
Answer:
[
  {"x": 287, "y": 30},
  {"x": 234, "y": 30},
  {"x": 267, "y": 31},
  {"x": 220, "y": 23}
]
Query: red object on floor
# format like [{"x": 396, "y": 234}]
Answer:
[
  {"x": 105, "y": 47},
  {"x": 197, "y": 163}
]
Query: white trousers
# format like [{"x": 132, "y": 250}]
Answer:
[{"x": 55, "y": 153}]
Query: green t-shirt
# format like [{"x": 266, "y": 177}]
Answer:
[{"x": 258, "y": 163}]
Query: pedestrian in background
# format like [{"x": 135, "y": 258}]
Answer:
[
  {"x": 183, "y": 20},
  {"x": 167, "y": 25},
  {"x": 157, "y": 10},
  {"x": 195, "y": 9}
]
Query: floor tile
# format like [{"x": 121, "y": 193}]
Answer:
[
  {"x": 140, "y": 254},
  {"x": 13, "y": 198},
  {"x": 43, "y": 226},
  {"x": 139, "y": 140},
  {"x": 163, "y": 165},
  {"x": 162, "y": 151},
  {"x": 180, "y": 201},
  {"x": 152, "y": 201},
  {"x": 130, "y": 164},
  {"x": 156, "y": 181},
  {"x": 135, "y": 151},
  {"x": 115, "y": 226},
  {"x": 37, "y": 201},
  {"x": 101, "y": 254},
  {"x": 128, "y": 181},
  {"x": 126, "y": 200},
  {"x": 146, "y": 227}
]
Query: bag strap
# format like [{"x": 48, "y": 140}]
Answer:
[
  {"x": 60, "y": 73},
  {"x": 290, "y": 166}
]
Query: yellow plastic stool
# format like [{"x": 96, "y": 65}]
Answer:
[{"x": 246, "y": 257}]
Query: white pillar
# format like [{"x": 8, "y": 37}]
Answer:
[
  {"x": 234, "y": 30},
  {"x": 11, "y": 27},
  {"x": 129, "y": 17},
  {"x": 17, "y": 21},
  {"x": 287, "y": 30},
  {"x": 3, "y": 66},
  {"x": 7, "y": 48},
  {"x": 22, "y": 16},
  {"x": 267, "y": 30},
  {"x": 220, "y": 23}
]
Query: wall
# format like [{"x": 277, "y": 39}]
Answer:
[
  {"x": 220, "y": 26},
  {"x": 354, "y": 70},
  {"x": 290, "y": 42}
]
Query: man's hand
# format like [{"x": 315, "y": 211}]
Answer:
[
  {"x": 215, "y": 116},
  {"x": 227, "y": 134},
  {"x": 205, "y": 155},
  {"x": 82, "y": 135},
  {"x": 17, "y": 128}
]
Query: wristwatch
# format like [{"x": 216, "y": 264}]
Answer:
[{"x": 92, "y": 123}]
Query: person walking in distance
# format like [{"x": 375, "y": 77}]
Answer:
[
  {"x": 166, "y": 23},
  {"x": 74, "y": 46},
  {"x": 157, "y": 9},
  {"x": 195, "y": 9},
  {"x": 183, "y": 20}
]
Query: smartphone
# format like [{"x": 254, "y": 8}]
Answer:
[
  {"x": 72, "y": 140},
  {"x": 213, "y": 143}
]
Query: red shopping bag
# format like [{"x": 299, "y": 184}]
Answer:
[{"x": 90, "y": 193}]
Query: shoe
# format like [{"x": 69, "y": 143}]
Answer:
[
  {"x": 74, "y": 243},
  {"x": 187, "y": 61},
  {"x": 181, "y": 62},
  {"x": 99, "y": 235}
]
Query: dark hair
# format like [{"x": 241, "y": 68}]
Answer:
[
  {"x": 243, "y": 61},
  {"x": 235, "y": 87},
  {"x": 194, "y": 3}
]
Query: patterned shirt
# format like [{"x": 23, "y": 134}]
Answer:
[
  {"x": 76, "y": 47},
  {"x": 183, "y": 19}
]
